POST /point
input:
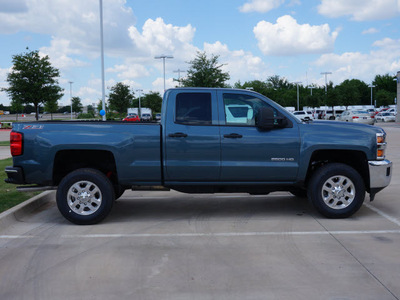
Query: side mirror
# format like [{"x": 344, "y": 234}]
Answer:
[{"x": 265, "y": 118}]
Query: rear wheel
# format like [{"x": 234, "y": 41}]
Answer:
[
  {"x": 336, "y": 190},
  {"x": 85, "y": 196}
]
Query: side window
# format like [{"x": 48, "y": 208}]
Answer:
[
  {"x": 193, "y": 109},
  {"x": 242, "y": 109}
]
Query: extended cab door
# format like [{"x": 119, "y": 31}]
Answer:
[
  {"x": 249, "y": 154},
  {"x": 191, "y": 137}
]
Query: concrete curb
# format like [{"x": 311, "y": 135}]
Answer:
[{"x": 17, "y": 212}]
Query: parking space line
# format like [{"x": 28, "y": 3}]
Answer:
[
  {"x": 381, "y": 213},
  {"x": 229, "y": 234},
  {"x": 209, "y": 234}
]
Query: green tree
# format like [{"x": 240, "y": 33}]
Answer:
[
  {"x": 33, "y": 80},
  {"x": 385, "y": 82},
  {"x": 76, "y": 104},
  {"x": 205, "y": 72},
  {"x": 120, "y": 98},
  {"x": 384, "y": 98},
  {"x": 152, "y": 100},
  {"x": 51, "y": 107},
  {"x": 16, "y": 107}
]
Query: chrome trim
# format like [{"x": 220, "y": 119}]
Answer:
[{"x": 380, "y": 173}]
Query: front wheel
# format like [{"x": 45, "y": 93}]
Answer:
[
  {"x": 85, "y": 196},
  {"x": 336, "y": 190}
]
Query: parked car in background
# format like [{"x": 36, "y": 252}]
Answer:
[
  {"x": 392, "y": 111},
  {"x": 158, "y": 117},
  {"x": 328, "y": 115},
  {"x": 338, "y": 113},
  {"x": 303, "y": 115},
  {"x": 385, "y": 117},
  {"x": 357, "y": 116},
  {"x": 132, "y": 118},
  {"x": 146, "y": 117}
]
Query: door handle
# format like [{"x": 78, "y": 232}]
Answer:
[
  {"x": 177, "y": 134},
  {"x": 233, "y": 136}
]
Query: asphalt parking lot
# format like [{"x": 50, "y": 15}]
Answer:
[{"x": 169, "y": 245}]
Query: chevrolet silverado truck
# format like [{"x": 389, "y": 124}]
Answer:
[{"x": 208, "y": 141}]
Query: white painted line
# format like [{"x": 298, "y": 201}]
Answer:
[
  {"x": 16, "y": 237},
  {"x": 228, "y": 234},
  {"x": 381, "y": 213}
]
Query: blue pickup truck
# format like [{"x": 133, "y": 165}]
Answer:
[{"x": 208, "y": 141}]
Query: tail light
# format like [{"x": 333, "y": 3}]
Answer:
[
  {"x": 16, "y": 141},
  {"x": 355, "y": 117}
]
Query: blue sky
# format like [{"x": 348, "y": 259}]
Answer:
[{"x": 255, "y": 39}]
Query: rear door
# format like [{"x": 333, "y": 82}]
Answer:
[{"x": 191, "y": 137}]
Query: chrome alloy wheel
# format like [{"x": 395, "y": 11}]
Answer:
[
  {"x": 338, "y": 192},
  {"x": 84, "y": 198}
]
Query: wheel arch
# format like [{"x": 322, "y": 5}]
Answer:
[
  {"x": 66, "y": 161},
  {"x": 355, "y": 159}
]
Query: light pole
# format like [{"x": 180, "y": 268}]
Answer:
[
  {"x": 103, "y": 92},
  {"x": 311, "y": 87},
  {"x": 140, "y": 108},
  {"x": 70, "y": 94},
  {"x": 179, "y": 76},
  {"x": 371, "y": 86},
  {"x": 298, "y": 98},
  {"x": 398, "y": 96},
  {"x": 326, "y": 80},
  {"x": 326, "y": 84},
  {"x": 163, "y": 57}
]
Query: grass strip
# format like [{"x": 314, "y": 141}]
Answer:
[{"x": 9, "y": 196}]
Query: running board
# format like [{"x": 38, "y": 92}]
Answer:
[
  {"x": 149, "y": 188},
  {"x": 35, "y": 188}
]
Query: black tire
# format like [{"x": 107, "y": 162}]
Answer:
[
  {"x": 85, "y": 196},
  {"x": 336, "y": 190}
]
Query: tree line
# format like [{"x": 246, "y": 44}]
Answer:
[{"x": 33, "y": 84}]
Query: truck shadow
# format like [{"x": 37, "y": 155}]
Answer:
[{"x": 212, "y": 207}]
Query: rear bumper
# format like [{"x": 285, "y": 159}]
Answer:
[
  {"x": 15, "y": 175},
  {"x": 380, "y": 173}
]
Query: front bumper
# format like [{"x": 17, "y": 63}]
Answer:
[{"x": 380, "y": 173}]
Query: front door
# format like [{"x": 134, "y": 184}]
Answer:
[{"x": 249, "y": 154}]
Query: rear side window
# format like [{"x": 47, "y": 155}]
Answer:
[{"x": 193, "y": 108}]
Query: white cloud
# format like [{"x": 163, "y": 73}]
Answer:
[
  {"x": 371, "y": 30},
  {"x": 261, "y": 6},
  {"x": 75, "y": 21},
  {"x": 363, "y": 66},
  {"x": 60, "y": 52},
  {"x": 240, "y": 64},
  {"x": 160, "y": 38},
  {"x": 129, "y": 70},
  {"x": 360, "y": 10},
  {"x": 287, "y": 37}
]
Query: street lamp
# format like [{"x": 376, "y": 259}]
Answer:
[
  {"x": 311, "y": 87},
  {"x": 140, "y": 108},
  {"x": 103, "y": 92},
  {"x": 179, "y": 76},
  {"x": 326, "y": 84},
  {"x": 326, "y": 80},
  {"x": 298, "y": 98},
  {"x": 371, "y": 86},
  {"x": 163, "y": 57},
  {"x": 70, "y": 94}
]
